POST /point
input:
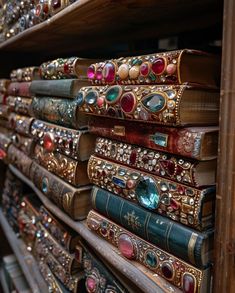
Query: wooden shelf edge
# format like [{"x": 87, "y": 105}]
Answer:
[
  {"x": 106, "y": 250},
  {"x": 26, "y": 260}
]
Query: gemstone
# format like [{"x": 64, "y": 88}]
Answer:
[
  {"x": 38, "y": 10},
  {"x": 103, "y": 228},
  {"x": 45, "y": 185},
  {"x": 2, "y": 154},
  {"x": 128, "y": 102},
  {"x": 189, "y": 283},
  {"x": 91, "y": 97},
  {"x": 119, "y": 182},
  {"x": 144, "y": 69},
  {"x": 113, "y": 94},
  {"x": 165, "y": 199},
  {"x": 111, "y": 112},
  {"x": 91, "y": 284},
  {"x": 151, "y": 259},
  {"x": 48, "y": 142},
  {"x": 79, "y": 99},
  {"x": 130, "y": 183},
  {"x": 66, "y": 68},
  {"x": 123, "y": 71},
  {"x": 167, "y": 270},
  {"x": 100, "y": 102},
  {"x": 91, "y": 72},
  {"x": 99, "y": 73},
  {"x": 56, "y": 4},
  {"x": 111, "y": 234},
  {"x": 147, "y": 193},
  {"x": 126, "y": 246},
  {"x": 154, "y": 102},
  {"x": 158, "y": 66},
  {"x": 134, "y": 72},
  {"x": 109, "y": 71},
  {"x": 170, "y": 69},
  {"x": 144, "y": 115},
  {"x": 133, "y": 157},
  {"x": 175, "y": 204}
]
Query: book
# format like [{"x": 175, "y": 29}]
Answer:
[
  {"x": 74, "y": 201},
  {"x": 158, "y": 230},
  {"x": 19, "y": 105},
  {"x": 172, "y": 67},
  {"x": 19, "y": 89},
  {"x": 77, "y": 144},
  {"x": 185, "y": 204},
  {"x": 63, "y": 234},
  {"x": 4, "y": 111},
  {"x": 170, "y": 105},
  {"x": 21, "y": 124},
  {"x": 70, "y": 170},
  {"x": 23, "y": 143},
  {"x": 25, "y": 74},
  {"x": 190, "y": 172},
  {"x": 67, "y": 88},
  {"x": 199, "y": 143},
  {"x": 160, "y": 262},
  {"x": 63, "y": 112}
]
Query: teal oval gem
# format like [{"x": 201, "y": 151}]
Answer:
[
  {"x": 45, "y": 185},
  {"x": 91, "y": 97},
  {"x": 154, "y": 102},
  {"x": 79, "y": 99},
  {"x": 151, "y": 259},
  {"x": 113, "y": 94},
  {"x": 147, "y": 193}
]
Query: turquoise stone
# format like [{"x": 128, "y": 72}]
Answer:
[
  {"x": 113, "y": 94},
  {"x": 91, "y": 97},
  {"x": 79, "y": 99},
  {"x": 151, "y": 259},
  {"x": 154, "y": 102},
  {"x": 45, "y": 185},
  {"x": 147, "y": 193}
]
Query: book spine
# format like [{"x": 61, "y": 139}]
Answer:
[
  {"x": 172, "y": 199},
  {"x": 25, "y": 144},
  {"x": 164, "y": 233},
  {"x": 21, "y": 124},
  {"x": 56, "y": 88},
  {"x": 19, "y": 89}
]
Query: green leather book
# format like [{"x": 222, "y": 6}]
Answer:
[
  {"x": 187, "y": 244},
  {"x": 67, "y": 88}
]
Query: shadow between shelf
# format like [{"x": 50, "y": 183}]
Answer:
[
  {"x": 25, "y": 259},
  {"x": 135, "y": 272}
]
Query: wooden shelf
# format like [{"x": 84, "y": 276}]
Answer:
[
  {"x": 131, "y": 270},
  {"x": 25, "y": 259}
]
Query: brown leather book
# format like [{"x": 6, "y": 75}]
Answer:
[
  {"x": 199, "y": 143},
  {"x": 74, "y": 201}
]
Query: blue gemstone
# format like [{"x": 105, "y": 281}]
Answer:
[
  {"x": 151, "y": 259},
  {"x": 45, "y": 185},
  {"x": 79, "y": 99},
  {"x": 119, "y": 182},
  {"x": 147, "y": 193},
  {"x": 154, "y": 102},
  {"x": 91, "y": 97},
  {"x": 160, "y": 139}
]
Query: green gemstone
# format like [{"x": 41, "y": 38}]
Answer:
[
  {"x": 136, "y": 62},
  {"x": 45, "y": 185},
  {"x": 154, "y": 102},
  {"x": 113, "y": 94},
  {"x": 151, "y": 259},
  {"x": 152, "y": 76},
  {"x": 147, "y": 193}
]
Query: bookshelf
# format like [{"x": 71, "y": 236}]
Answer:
[{"x": 108, "y": 28}]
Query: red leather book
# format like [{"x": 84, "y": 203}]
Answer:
[
  {"x": 193, "y": 142},
  {"x": 19, "y": 89}
]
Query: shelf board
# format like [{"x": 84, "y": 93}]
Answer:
[
  {"x": 135, "y": 272},
  {"x": 25, "y": 259}
]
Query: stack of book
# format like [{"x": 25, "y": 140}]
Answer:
[{"x": 154, "y": 165}]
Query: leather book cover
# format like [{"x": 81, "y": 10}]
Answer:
[
  {"x": 185, "y": 204},
  {"x": 19, "y": 89},
  {"x": 63, "y": 112},
  {"x": 191, "y": 172},
  {"x": 172, "y": 67},
  {"x": 184, "y": 242},
  {"x": 199, "y": 143},
  {"x": 70, "y": 170},
  {"x": 170, "y": 105},
  {"x": 74, "y": 201},
  {"x": 77, "y": 144}
]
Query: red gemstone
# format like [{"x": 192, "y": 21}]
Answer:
[
  {"x": 99, "y": 74},
  {"x": 175, "y": 204},
  {"x": 130, "y": 183},
  {"x": 126, "y": 247},
  {"x": 100, "y": 102},
  {"x": 91, "y": 284},
  {"x": 169, "y": 166},
  {"x": 181, "y": 190},
  {"x": 133, "y": 157},
  {"x": 48, "y": 142},
  {"x": 66, "y": 68},
  {"x": 188, "y": 284},
  {"x": 56, "y": 4},
  {"x": 109, "y": 72},
  {"x": 144, "y": 69},
  {"x": 145, "y": 159},
  {"x": 127, "y": 102},
  {"x": 45, "y": 8},
  {"x": 167, "y": 270},
  {"x": 111, "y": 234},
  {"x": 38, "y": 10},
  {"x": 158, "y": 66},
  {"x": 2, "y": 154},
  {"x": 91, "y": 72},
  {"x": 179, "y": 170}
]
